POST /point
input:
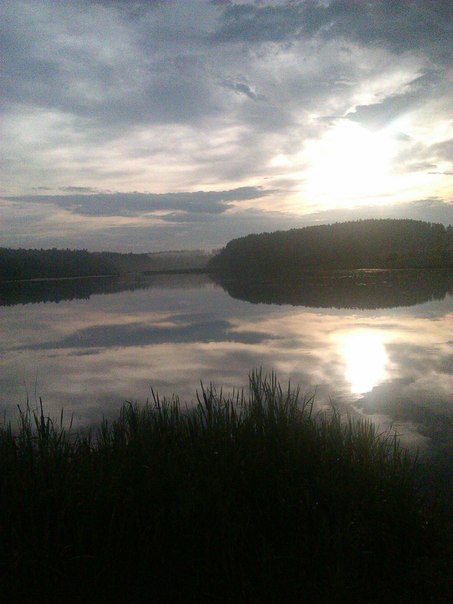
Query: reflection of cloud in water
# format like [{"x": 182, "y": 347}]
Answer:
[
  {"x": 425, "y": 358},
  {"x": 90, "y": 356},
  {"x": 142, "y": 334},
  {"x": 419, "y": 415}
]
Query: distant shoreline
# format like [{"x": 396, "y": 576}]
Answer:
[
  {"x": 230, "y": 275},
  {"x": 182, "y": 271}
]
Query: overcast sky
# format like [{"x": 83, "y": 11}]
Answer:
[{"x": 151, "y": 125}]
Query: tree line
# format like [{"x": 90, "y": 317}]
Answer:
[
  {"x": 19, "y": 264},
  {"x": 374, "y": 243},
  {"x": 53, "y": 263}
]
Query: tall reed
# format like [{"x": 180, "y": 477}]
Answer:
[{"x": 247, "y": 497}]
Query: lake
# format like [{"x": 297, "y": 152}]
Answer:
[{"x": 375, "y": 343}]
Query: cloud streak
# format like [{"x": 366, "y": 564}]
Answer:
[{"x": 138, "y": 204}]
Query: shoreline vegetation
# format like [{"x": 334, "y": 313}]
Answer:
[
  {"x": 20, "y": 265},
  {"x": 362, "y": 244},
  {"x": 248, "y": 498}
]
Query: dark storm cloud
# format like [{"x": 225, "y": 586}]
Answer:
[{"x": 136, "y": 204}]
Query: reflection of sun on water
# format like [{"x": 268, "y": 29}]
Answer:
[{"x": 366, "y": 360}]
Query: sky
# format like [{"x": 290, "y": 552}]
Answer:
[{"x": 154, "y": 125}]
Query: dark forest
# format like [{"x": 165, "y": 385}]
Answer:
[{"x": 362, "y": 244}]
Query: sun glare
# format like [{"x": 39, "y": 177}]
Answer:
[
  {"x": 350, "y": 162},
  {"x": 365, "y": 359}
]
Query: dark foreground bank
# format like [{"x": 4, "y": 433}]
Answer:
[{"x": 248, "y": 499}]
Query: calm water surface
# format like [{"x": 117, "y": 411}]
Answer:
[{"x": 377, "y": 343}]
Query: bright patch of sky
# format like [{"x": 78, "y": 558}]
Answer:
[{"x": 153, "y": 124}]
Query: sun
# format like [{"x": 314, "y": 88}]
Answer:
[{"x": 350, "y": 163}]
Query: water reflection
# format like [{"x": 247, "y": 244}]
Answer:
[
  {"x": 176, "y": 330},
  {"x": 88, "y": 355},
  {"x": 364, "y": 289},
  {"x": 59, "y": 290},
  {"x": 365, "y": 360}
]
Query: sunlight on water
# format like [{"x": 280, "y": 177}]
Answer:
[
  {"x": 375, "y": 340},
  {"x": 366, "y": 360}
]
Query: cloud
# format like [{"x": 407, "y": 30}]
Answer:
[
  {"x": 215, "y": 96},
  {"x": 241, "y": 88},
  {"x": 93, "y": 65},
  {"x": 185, "y": 217},
  {"x": 420, "y": 90},
  {"x": 242, "y": 22},
  {"x": 401, "y": 26},
  {"x": 433, "y": 159},
  {"x": 165, "y": 67},
  {"x": 71, "y": 189},
  {"x": 443, "y": 150},
  {"x": 33, "y": 225},
  {"x": 429, "y": 210},
  {"x": 131, "y": 7},
  {"x": 136, "y": 204}
]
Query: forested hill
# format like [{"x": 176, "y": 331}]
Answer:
[{"x": 384, "y": 243}]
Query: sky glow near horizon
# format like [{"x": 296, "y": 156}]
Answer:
[{"x": 152, "y": 125}]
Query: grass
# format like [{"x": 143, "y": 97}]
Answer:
[{"x": 249, "y": 498}]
